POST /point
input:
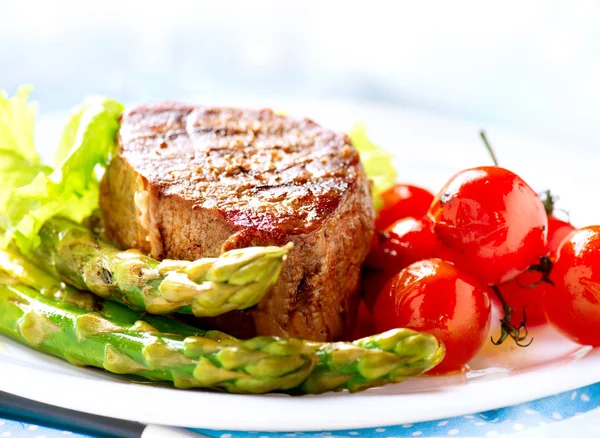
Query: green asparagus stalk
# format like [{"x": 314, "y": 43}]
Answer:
[
  {"x": 389, "y": 357},
  {"x": 260, "y": 365},
  {"x": 18, "y": 268},
  {"x": 236, "y": 280},
  {"x": 373, "y": 361}
]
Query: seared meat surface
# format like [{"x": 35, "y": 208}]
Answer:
[{"x": 190, "y": 182}]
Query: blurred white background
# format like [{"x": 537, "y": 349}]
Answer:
[{"x": 532, "y": 67}]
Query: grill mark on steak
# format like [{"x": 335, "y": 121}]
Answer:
[{"x": 225, "y": 178}]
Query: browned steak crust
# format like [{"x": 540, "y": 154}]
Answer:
[{"x": 190, "y": 182}]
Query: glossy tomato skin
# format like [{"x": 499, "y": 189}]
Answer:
[
  {"x": 493, "y": 224},
  {"x": 434, "y": 296},
  {"x": 519, "y": 296},
  {"x": 573, "y": 305},
  {"x": 558, "y": 230},
  {"x": 400, "y": 201},
  {"x": 402, "y": 243}
]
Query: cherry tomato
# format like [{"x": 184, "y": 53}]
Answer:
[
  {"x": 518, "y": 292},
  {"x": 525, "y": 293},
  {"x": 404, "y": 242},
  {"x": 558, "y": 230},
  {"x": 434, "y": 296},
  {"x": 400, "y": 201},
  {"x": 364, "y": 326},
  {"x": 573, "y": 304},
  {"x": 492, "y": 222}
]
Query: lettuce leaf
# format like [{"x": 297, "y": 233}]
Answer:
[
  {"x": 17, "y": 117},
  {"x": 36, "y": 193},
  {"x": 376, "y": 161},
  {"x": 19, "y": 161},
  {"x": 16, "y": 171}
]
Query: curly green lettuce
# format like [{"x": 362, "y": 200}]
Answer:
[
  {"x": 32, "y": 193},
  {"x": 17, "y": 118},
  {"x": 19, "y": 160},
  {"x": 376, "y": 161}
]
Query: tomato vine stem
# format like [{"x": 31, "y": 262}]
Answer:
[
  {"x": 489, "y": 147},
  {"x": 544, "y": 267},
  {"x": 549, "y": 201},
  {"x": 518, "y": 333}
]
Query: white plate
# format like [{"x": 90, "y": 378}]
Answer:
[{"x": 429, "y": 150}]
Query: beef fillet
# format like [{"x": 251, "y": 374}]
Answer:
[{"x": 191, "y": 181}]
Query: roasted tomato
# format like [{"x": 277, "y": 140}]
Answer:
[
  {"x": 573, "y": 304},
  {"x": 493, "y": 224},
  {"x": 400, "y": 201},
  {"x": 526, "y": 292},
  {"x": 434, "y": 296},
  {"x": 558, "y": 230},
  {"x": 404, "y": 242}
]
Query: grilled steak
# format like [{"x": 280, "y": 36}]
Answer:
[{"x": 190, "y": 182}]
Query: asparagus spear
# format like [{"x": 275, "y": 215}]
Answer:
[
  {"x": 374, "y": 361},
  {"x": 237, "y": 279},
  {"x": 14, "y": 265},
  {"x": 389, "y": 357},
  {"x": 262, "y": 364}
]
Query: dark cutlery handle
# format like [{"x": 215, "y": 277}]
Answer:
[{"x": 29, "y": 411}]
